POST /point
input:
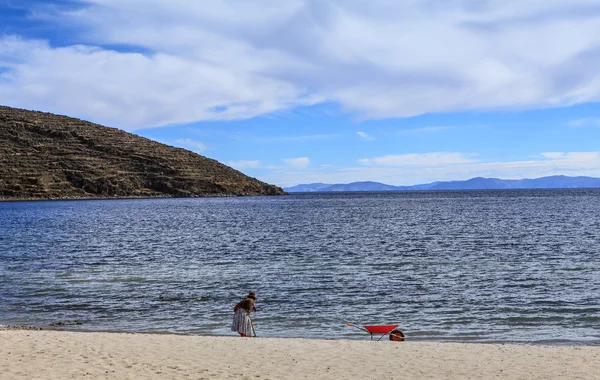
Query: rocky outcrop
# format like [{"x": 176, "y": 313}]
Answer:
[{"x": 47, "y": 156}]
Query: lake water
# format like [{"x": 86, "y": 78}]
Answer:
[{"x": 484, "y": 266}]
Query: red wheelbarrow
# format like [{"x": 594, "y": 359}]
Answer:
[{"x": 392, "y": 331}]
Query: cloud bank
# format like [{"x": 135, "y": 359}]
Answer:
[
  {"x": 135, "y": 64},
  {"x": 193, "y": 145},
  {"x": 364, "y": 136},
  {"x": 244, "y": 164},
  {"x": 412, "y": 169},
  {"x": 300, "y": 162},
  {"x": 415, "y": 159}
]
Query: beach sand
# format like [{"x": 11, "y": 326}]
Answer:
[{"x": 28, "y": 354}]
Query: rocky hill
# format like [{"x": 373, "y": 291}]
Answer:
[{"x": 46, "y": 156}]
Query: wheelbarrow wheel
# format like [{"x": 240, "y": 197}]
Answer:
[{"x": 397, "y": 336}]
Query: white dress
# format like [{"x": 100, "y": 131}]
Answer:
[{"x": 241, "y": 322}]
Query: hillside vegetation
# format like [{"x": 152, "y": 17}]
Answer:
[{"x": 47, "y": 156}]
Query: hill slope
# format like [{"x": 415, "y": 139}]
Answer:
[{"x": 50, "y": 156}]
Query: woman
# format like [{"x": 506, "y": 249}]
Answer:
[{"x": 241, "y": 319}]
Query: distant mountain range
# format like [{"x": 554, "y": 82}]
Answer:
[{"x": 479, "y": 183}]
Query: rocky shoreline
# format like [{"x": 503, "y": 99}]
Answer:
[{"x": 87, "y": 198}]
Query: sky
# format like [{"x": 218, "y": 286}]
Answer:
[{"x": 331, "y": 91}]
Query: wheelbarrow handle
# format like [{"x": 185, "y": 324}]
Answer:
[{"x": 358, "y": 327}]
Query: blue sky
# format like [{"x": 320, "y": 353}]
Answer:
[{"x": 302, "y": 91}]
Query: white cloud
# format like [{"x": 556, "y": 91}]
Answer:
[
  {"x": 232, "y": 59},
  {"x": 300, "y": 162},
  {"x": 553, "y": 155},
  {"x": 415, "y": 159},
  {"x": 364, "y": 136},
  {"x": 196, "y": 146},
  {"x": 588, "y": 121},
  {"x": 244, "y": 164},
  {"x": 131, "y": 90},
  {"x": 572, "y": 157}
]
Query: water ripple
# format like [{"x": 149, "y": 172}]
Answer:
[{"x": 490, "y": 266}]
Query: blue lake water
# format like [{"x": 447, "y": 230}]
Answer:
[{"x": 484, "y": 266}]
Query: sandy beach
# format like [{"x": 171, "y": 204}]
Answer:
[{"x": 28, "y": 354}]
